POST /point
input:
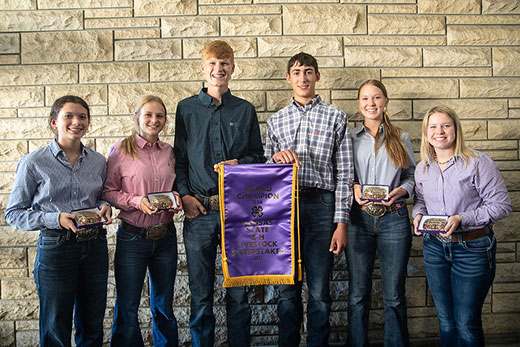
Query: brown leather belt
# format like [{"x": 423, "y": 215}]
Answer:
[
  {"x": 209, "y": 202},
  {"x": 465, "y": 236},
  {"x": 378, "y": 210},
  {"x": 82, "y": 234},
  {"x": 153, "y": 232}
]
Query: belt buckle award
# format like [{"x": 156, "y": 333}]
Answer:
[{"x": 258, "y": 206}]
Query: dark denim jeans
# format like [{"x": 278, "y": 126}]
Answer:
[
  {"x": 69, "y": 276},
  {"x": 135, "y": 254},
  {"x": 391, "y": 236},
  {"x": 201, "y": 238},
  {"x": 316, "y": 229},
  {"x": 459, "y": 276}
]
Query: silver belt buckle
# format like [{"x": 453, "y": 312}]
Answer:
[
  {"x": 86, "y": 234},
  {"x": 156, "y": 231},
  {"x": 445, "y": 239},
  {"x": 375, "y": 210}
]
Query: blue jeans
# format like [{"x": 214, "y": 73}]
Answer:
[
  {"x": 391, "y": 236},
  {"x": 135, "y": 254},
  {"x": 201, "y": 238},
  {"x": 459, "y": 276},
  {"x": 316, "y": 229},
  {"x": 69, "y": 276}
]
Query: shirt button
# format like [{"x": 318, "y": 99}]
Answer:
[{"x": 74, "y": 193}]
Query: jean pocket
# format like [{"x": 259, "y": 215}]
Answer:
[
  {"x": 124, "y": 235},
  {"x": 328, "y": 199},
  {"x": 482, "y": 244},
  {"x": 402, "y": 212},
  {"x": 46, "y": 241}
]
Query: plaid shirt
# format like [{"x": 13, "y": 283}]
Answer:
[{"x": 317, "y": 133}]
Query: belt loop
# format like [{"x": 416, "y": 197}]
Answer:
[
  {"x": 69, "y": 235},
  {"x": 206, "y": 202}
]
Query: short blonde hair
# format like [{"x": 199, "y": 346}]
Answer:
[
  {"x": 427, "y": 150},
  {"x": 218, "y": 49}
]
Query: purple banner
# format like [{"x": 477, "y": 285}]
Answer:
[{"x": 257, "y": 223}]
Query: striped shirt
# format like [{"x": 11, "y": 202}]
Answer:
[
  {"x": 47, "y": 184},
  {"x": 318, "y": 134}
]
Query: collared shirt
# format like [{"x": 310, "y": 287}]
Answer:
[
  {"x": 206, "y": 134},
  {"x": 378, "y": 168},
  {"x": 474, "y": 190},
  {"x": 317, "y": 133},
  {"x": 129, "y": 179},
  {"x": 47, "y": 184}
]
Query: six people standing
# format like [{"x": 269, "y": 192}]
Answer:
[{"x": 215, "y": 127}]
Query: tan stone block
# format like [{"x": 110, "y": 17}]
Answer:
[
  {"x": 19, "y": 309},
  {"x": 49, "y": 4},
  {"x": 390, "y": 40},
  {"x": 400, "y": 109},
  {"x": 108, "y": 23},
  {"x": 56, "y": 47},
  {"x": 506, "y": 302},
  {"x": 415, "y": 291},
  {"x": 449, "y": 7},
  {"x": 344, "y": 94},
  {"x": 38, "y": 74},
  {"x": 457, "y": 57},
  {"x": 484, "y": 35},
  {"x": 162, "y": 8},
  {"x": 10, "y": 59},
  {"x": 421, "y": 88},
  {"x": 514, "y": 103},
  {"x": 392, "y": 9},
  {"x": 334, "y": 19},
  {"x": 503, "y": 155},
  {"x": 251, "y": 25},
  {"x": 12, "y": 257},
  {"x": 93, "y": 94},
  {"x": 9, "y": 43},
  {"x": 182, "y": 70},
  {"x": 113, "y": 72},
  {"x": 108, "y": 13},
  {"x": 489, "y": 87},
  {"x": 514, "y": 113},
  {"x": 515, "y": 200},
  {"x": 13, "y": 237},
  {"x": 414, "y": 129},
  {"x": 500, "y": 6},
  {"x": 478, "y": 19},
  {"x": 242, "y": 47},
  {"x": 378, "y": 1},
  {"x": 334, "y": 62},
  {"x": 505, "y": 61},
  {"x": 152, "y": 49},
  {"x": 12, "y": 150},
  {"x": 262, "y": 68},
  {"x": 17, "y": 5},
  {"x": 123, "y": 97},
  {"x": 436, "y": 72},
  {"x": 351, "y": 108},
  {"x": 288, "y": 46},
  {"x": 506, "y": 287},
  {"x": 465, "y": 108},
  {"x": 137, "y": 34},
  {"x": 474, "y": 130},
  {"x": 512, "y": 180},
  {"x": 277, "y": 100},
  {"x": 21, "y": 96},
  {"x": 40, "y": 20},
  {"x": 223, "y": 10},
  {"x": 381, "y": 56},
  {"x": 103, "y": 144},
  {"x": 225, "y": 2},
  {"x": 189, "y": 26},
  {"x": 345, "y": 78},
  {"x": 9, "y": 113},
  {"x": 24, "y": 128},
  {"x": 259, "y": 85},
  {"x": 406, "y": 25},
  {"x": 492, "y": 145},
  {"x": 256, "y": 98},
  {"x": 19, "y": 289},
  {"x": 34, "y": 112},
  {"x": 504, "y": 129}
]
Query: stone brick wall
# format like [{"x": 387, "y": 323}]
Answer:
[{"x": 463, "y": 53}]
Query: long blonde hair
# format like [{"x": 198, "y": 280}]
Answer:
[
  {"x": 392, "y": 140},
  {"x": 427, "y": 150},
  {"x": 129, "y": 144}
]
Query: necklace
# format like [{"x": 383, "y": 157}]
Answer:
[{"x": 443, "y": 162}]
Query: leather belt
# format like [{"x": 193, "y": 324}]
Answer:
[
  {"x": 305, "y": 192},
  {"x": 209, "y": 202},
  {"x": 82, "y": 234},
  {"x": 378, "y": 210},
  {"x": 465, "y": 236},
  {"x": 153, "y": 232}
]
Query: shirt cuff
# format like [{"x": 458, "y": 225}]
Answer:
[{"x": 52, "y": 220}]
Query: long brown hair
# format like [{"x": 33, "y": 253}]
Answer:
[
  {"x": 427, "y": 150},
  {"x": 129, "y": 144},
  {"x": 392, "y": 140}
]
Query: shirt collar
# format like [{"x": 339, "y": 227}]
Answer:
[
  {"x": 308, "y": 106},
  {"x": 207, "y": 100},
  {"x": 56, "y": 149},
  {"x": 142, "y": 143},
  {"x": 362, "y": 128}
]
